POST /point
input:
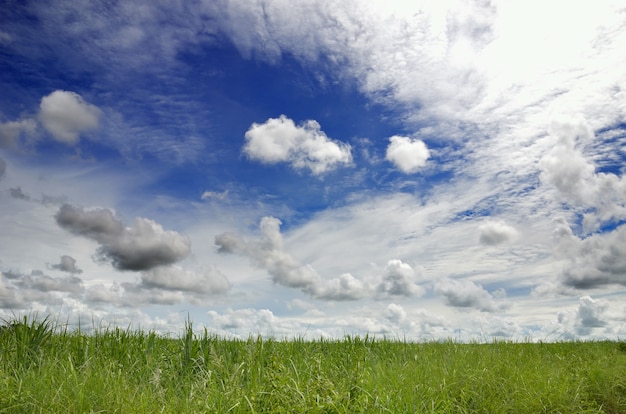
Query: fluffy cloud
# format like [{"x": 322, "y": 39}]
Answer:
[
  {"x": 592, "y": 262},
  {"x": 408, "y": 155},
  {"x": 344, "y": 287},
  {"x": 466, "y": 294},
  {"x": 68, "y": 264},
  {"x": 574, "y": 177},
  {"x": 66, "y": 115},
  {"x": 590, "y": 312},
  {"x": 206, "y": 281},
  {"x": 267, "y": 253},
  {"x": 399, "y": 279},
  {"x": 143, "y": 246},
  {"x": 496, "y": 232},
  {"x": 304, "y": 146},
  {"x": 10, "y": 132}
]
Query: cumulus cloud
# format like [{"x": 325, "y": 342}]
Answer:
[
  {"x": 591, "y": 313},
  {"x": 68, "y": 264},
  {"x": 12, "y": 131},
  {"x": 496, "y": 232},
  {"x": 466, "y": 294},
  {"x": 344, "y": 287},
  {"x": 408, "y": 155},
  {"x": 66, "y": 115},
  {"x": 143, "y": 246},
  {"x": 207, "y": 281},
  {"x": 574, "y": 178},
  {"x": 597, "y": 260},
  {"x": 267, "y": 253},
  {"x": 399, "y": 279},
  {"x": 304, "y": 147}
]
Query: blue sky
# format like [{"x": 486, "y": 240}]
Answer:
[{"x": 423, "y": 170}]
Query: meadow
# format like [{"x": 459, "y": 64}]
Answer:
[{"x": 47, "y": 368}]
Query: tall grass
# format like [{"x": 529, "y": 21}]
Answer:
[{"x": 46, "y": 368}]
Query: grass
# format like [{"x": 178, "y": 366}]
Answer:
[{"x": 46, "y": 368}]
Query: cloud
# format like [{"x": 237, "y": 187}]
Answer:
[
  {"x": 68, "y": 264},
  {"x": 12, "y": 131},
  {"x": 142, "y": 246},
  {"x": 408, "y": 155},
  {"x": 399, "y": 280},
  {"x": 466, "y": 294},
  {"x": 44, "y": 283},
  {"x": 22, "y": 291},
  {"x": 597, "y": 260},
  {"x": 267, "y": 253},
  {"x": 17, "y": 193},
  {"x": 345, "y": 287},
  {"x": 207, "y": 281},
  {"x": 66, "y": 115},
  {"x": 304, "y": 147},
  {"x": 214, "y": 195},
  {"x": 496, "y": 232},
  {"x": 567, "y": 170},
  {"x": 395, "y": 313},
  {"x": 590, "y": 312},
  {"x": 3, "y": 167}
]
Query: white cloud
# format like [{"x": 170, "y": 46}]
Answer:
[
  {"x": 304, "y": 147},
  {"x": 66, "y": 116},
  {"x": 465, "y": 294},
  {"x": 399, "y": 279},
  {"x": 496, "y": 232},
  {"x": 409, "y": 155}
]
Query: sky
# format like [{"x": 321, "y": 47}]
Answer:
[{"x": 421, "y": 170}]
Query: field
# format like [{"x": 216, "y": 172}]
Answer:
[{"x": 45, "y": 368}]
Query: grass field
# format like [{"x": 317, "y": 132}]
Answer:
[{"x": 45, "y": 368}]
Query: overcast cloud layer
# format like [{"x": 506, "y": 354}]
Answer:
[{"x": 423, "y": 170}]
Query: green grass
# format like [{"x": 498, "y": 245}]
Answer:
[{"x": 45, "y": 368}]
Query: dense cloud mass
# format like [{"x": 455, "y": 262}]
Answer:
[
  {"x": 400, "y": 279},
  {"x": 494, "y": 232},
  {"x": 143, "y": 246},
  {"x": 408, "y": 155},
  {"x": 592, "y": 262},
  {"x": 467, "y": 294},
  {"x": 66, "y": 115},
  {"x": 304, "y": 147},
  {"x": 3, "y": 167}
]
